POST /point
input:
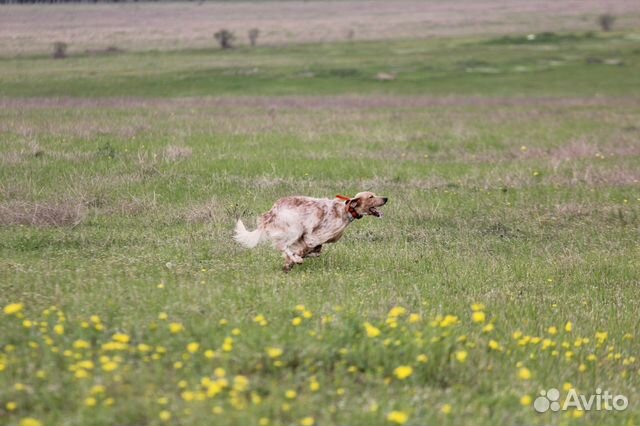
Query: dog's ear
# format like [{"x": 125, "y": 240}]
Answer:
[{"x": 355, "y": 202}]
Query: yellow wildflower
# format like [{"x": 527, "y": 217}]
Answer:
[
  {"x": 273, "y": 352},
  {"x": 397, "y": 311},
  {"x": 13, "y": 308},
  {"x": 121, "y": 338},
  {"x": 403, "y": 371},
  {"x": 524, "y": 373},
  {"x": 30, "y": 421},
  {"x": 461, "y": 356},
  {"x": 478, "y": 317},
  {"x": 176, "y": 327},
  {"x": 422, "y": 358},
  {"x": 398, "y": 417},
  {"x": 371, "y": 330},
  {"x": 291, "y": 394}
]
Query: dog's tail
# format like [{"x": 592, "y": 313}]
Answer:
[{"x": 249, "y": 239}]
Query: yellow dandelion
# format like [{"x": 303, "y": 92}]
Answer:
[
  {"x": 263, "y": 421},
  {"x": 403, "y": 371},
  {"x": 446, "y": 409},
  {"x": 478, "y": 317},
  {"x": 553, "y": 330},
  {"x": 397, "y": 311},
  {"x": 314, "y": 386},
  {"x": 291, "y": 394},
  {"x": 209, "y": 354},
  {"x": 307, "y": 421},
  {"x": 109, "y": 366},
  {"x": 81, "y": 344},
  {"x": 30, "y": 421},
  {"x": 165, "y": 415},
  {"x": 371, "y": 330},
  {"x": 576, "y": 414},
  {"x": 144, "y": 348},
  {"x": 296, "y": 321},
  {"x": 97, "y": 389},
  {"x": 11, "y": 406},
  {"x": 461, "y": 356},
  {"x": 240, "y": 383},
  {"x": 525, "y": 400},
  {"x": 524, "y": 373},
  {"x": 477, "y": 307},
  {"x": 568, "y": 327},
  {"x": 90, "y": 402},
  {"x": 176, "y": 327},
  {"x": 121, "y": 338},
  {"x": 58, "y": 329},
  {"x": 193, "y": 347},
  {"x": 397, "y": 417},
  {"x": 13, "y": 308},
  {"x": 273, "y": 352},
  {"x": 422, "y": 358},
  {"x": 488, "y": 328}
]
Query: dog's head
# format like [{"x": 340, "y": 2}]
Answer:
[{"x": 365, "y": 203}]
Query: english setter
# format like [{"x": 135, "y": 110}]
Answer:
[{"x": 299, "y": 226}]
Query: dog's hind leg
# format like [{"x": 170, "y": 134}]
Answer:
[
  {"x": 290, "y": 254},
  {"x": 315, "y": 251}
]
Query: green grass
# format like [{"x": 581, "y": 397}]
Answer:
[
  {"x": 520, "y": 192},
  {"x": 546, "y": 66}
]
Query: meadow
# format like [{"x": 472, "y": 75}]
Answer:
[{"x": 507, "y": 261}]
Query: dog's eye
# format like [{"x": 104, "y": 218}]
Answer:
[{"x": 370, "y": 196}]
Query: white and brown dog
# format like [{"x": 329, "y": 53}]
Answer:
[{"x": 299, "y": 226}]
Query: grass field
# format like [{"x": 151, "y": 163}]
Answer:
[{"x": 507, "y": 262}]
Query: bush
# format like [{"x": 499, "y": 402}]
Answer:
[
  {"x": 225, "y": 38},
  {"x": 59, "y": 50},
  {"x": 253, "y": 36},
  {"x": 606, "y": 21}
]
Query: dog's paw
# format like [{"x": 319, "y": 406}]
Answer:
[{"x": 297, "y": 259}]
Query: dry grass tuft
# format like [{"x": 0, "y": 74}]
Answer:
[
  {"x": 176, "y": 153},
  {"x": 210, "y": 211},
  {"x": 46, "y": 214}
]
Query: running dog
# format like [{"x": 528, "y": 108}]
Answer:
[{"x": 298, "y": 226}]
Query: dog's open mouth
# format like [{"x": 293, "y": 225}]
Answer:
[{"x": 374, "y": 212}]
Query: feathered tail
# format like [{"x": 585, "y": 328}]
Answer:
[{"x": 249, "y": 239}]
